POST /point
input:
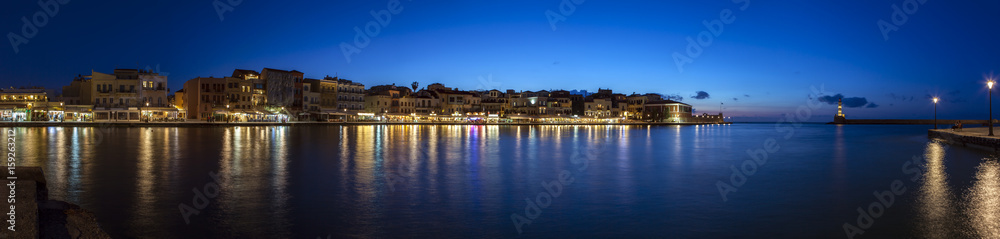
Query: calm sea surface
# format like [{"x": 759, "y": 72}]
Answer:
[{"x": 547, "y": 181}]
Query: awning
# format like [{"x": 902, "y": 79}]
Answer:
[
  {"x": 74, "y": 108},
  {"x": 333, "y": 112}
]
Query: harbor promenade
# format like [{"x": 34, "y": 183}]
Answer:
[{"x": 976, "y": 137}]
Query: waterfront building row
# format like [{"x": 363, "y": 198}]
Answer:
[
  {"x": 282, "y": 95},
  {"x": 126, "y": 94},
  {"x": 267, "y": 95},
  {"x": 291, "y": 94},
  {"x": 560, "y": 105}
]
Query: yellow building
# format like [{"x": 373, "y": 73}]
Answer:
[
  {"x": 178, "y": 100},
  {"x": 378, "y": 104},
  {"x": 598, "y": 108},
  {"x": 118, "y": 90}
]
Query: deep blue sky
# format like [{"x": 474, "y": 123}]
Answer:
[{"x": 766, "y": 59}]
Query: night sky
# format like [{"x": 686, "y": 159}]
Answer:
[{"x": 760, "y": 65}]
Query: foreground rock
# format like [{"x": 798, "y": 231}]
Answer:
[{"x": 39, "y": 217}]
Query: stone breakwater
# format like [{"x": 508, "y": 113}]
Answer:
[{"x": 905, "y": 121}]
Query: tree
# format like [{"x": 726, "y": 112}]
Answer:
[{"x": 414, "y": 85}]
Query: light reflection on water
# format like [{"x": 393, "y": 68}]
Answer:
[
  {"x": 974, "y": 212},
  {"x": 465, "y": 181},
  {"x": 253, "y": 175},
  {"x": 936, "y": 201},
  {"x": 983, "y": 207}
]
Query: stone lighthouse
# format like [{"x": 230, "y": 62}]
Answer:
[{"x": 840, "y": 118}]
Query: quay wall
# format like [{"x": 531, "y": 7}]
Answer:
[{"x": 980, "y": 142}]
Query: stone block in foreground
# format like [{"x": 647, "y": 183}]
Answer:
[{"x": 38, "y": 217}]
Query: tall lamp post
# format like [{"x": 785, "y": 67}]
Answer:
[
  {"x": 935, "y": 112},
  {"x": 990, "y": 84}
]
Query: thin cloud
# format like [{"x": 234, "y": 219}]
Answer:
[{"x": 950, "y": 97}]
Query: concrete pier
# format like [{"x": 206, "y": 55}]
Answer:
[{"x": 969, "y": 137}]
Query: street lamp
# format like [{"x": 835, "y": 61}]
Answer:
[
  {"x": 990, "y": 84},
  {"x": 935, "y": 112}
]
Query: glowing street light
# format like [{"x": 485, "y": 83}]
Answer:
[
  {"x": 935, "y": 112},
  {"x": 990, "y": 84}
]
